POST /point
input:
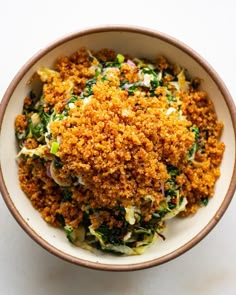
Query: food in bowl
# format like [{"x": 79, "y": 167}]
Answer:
[{"x": 114, "y": 146}]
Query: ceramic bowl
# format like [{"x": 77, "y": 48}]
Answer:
[{"x": 182, "y": 234}]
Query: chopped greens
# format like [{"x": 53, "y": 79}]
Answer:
[
  {"x": 195, "y": 146},
  {"x": 204, "y": 201},
  {"x": 69, "y": 233},
  {"x": 66, "y": 195},
  {"x": 88, "y": 90},
  {"x": 60, "y": 219},
  {"x": 54, "y": 148},
  {"x": 172, "y": 170},
  {"x": 57, "y": 163},
  {"x": 170, "y": 98},
  {"x": 120, "y": 58}
]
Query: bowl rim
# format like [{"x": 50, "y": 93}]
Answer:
[{"x": 222, "y": 88}]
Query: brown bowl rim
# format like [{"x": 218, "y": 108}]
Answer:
[{"x": 228, "y": 197}]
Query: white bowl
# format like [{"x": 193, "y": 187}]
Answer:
[{"x": 182, "y": 234}]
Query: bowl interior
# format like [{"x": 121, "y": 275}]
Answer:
[{"x": 180, "y": 232}]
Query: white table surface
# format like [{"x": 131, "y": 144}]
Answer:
[{"x": 208, "y": 27}]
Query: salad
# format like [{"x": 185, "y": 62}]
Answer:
[{"x": 114, "y": 146}]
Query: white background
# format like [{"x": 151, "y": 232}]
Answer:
[{"x": 208, "y": 27}]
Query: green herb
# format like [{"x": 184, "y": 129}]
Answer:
[
  {"x": 181, "y": 200},
  {"x": 171, "y": 193},
  {"x": 66, "y": 195},
  {"x": 112, "y": 64},
  {"x": 149, "y": 71},
  {"x": 35, "y": 156},
  {"x": 120, "y": 58},
  {"x": 88, "y": 90},
  {"x": 57, "y": 117},
  {"x": 195, "y": 146},
  {"x": 69, "y": 230},
  {"x": 38, "y": 131},
  {"x": 73, "y": 99},
  {"x": 168, "y": 71},
  {"x": 112, "y": 236},
  {"x": 65, "y": 112},
  {"x": 97, "y": 73},
  {"x": 171, "y": 181},
  {"x": 160, "y": 214},
  {"x": 45, "y": 118},
  {"x": 20, "y": 136},
  {"x": 154, "y": 82},
  {"x": 194, "y": 149},
  {"x": 104, "y": 231},
  {"x": 57, "y": 163},
  {"x": 196, "y": 131},
  {"x": 60, "y": 219},
  {"x": 91, "y": 58},
  {"x": 36, "y": 128},
  {"x": 123, "y": 83},
  {"x": 205, "y": 201},
  {"x": 142, "y": 230},
  {"x": 171, "y": 205},
  {"x": 170, "y": 98},
  {"x": 104, "y": 78},
  {"x": 132, "y": 88},
  {"x": 172, "y": 170},
  {"x": 54, "y": 148}
]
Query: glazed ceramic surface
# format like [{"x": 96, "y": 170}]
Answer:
[{"x": 181, "y": 234}]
